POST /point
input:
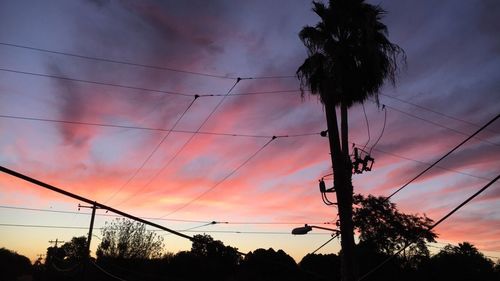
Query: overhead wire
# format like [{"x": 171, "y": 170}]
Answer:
[
  {"x": 430, "y": 228},
  {"x": 382, "y": 132},
  {"x": 227, "y": 134},
  {"x": 420, "y": 162},
  {"x": 129, "y": 63},
  {"x": 255, "y": 93},
  {"x": 438, "y": 124},
  {"x": 97, "y": 214},
  {"x": 367, "y": 126},
  {"x": 136, "y": 172},
  {"x": 434, "y": 111},
  {"x": 444, "y": 156},
  {"x": 165, "y": 219},
  {"x": 96, "y": 82},
  {"x": 156, "y": 230},
  {"x": 428, "y": 164},
  {"x": 147, "y": 128},
  {"x": 190, "y": 138},
  {"x": 326, "y": 243},
  {"x": 220, "y": 181}
]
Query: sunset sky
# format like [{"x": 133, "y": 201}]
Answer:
[{"x": 221, "y": 163}]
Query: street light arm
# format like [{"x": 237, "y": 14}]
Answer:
[
  {"x": 306, "y": 228},
  {"x": 324, "y": 228}
]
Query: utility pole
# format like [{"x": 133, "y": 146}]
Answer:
[
  {"x": 86, "y": 258},
  {"x": 91, "y": 227}
]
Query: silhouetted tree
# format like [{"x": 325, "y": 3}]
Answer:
[
  {"x": 461, "y": 263},
  {"x": 383, "y": 231},
  {"x": 321, "y": 267},
  {"x": 54, "y": 253},
  {"x": 76, "y": 249},
  {"x": 349, "y": 58},
  {"x": 268, "y": 265},
  {"x": 387, "y": 230},
  {"x": 127, "y": 239},
  {"x": 13, "y": 265},
  {"x": 218, "y": 261}
]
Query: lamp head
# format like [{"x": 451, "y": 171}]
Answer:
[{"x": 301, "y": 230}]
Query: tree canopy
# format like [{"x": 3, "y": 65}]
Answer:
[
  {"x": 349, "y": 54},
  {"x": 13, "y": 265},
  {"x": 123, "y": 238},
  {"x": 76, "y": 249},
  {"x": 462, "y": 262},
  {"x": 387, "y": 230}
]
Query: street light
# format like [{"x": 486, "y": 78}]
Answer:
[{"x": 306, "y": 228}]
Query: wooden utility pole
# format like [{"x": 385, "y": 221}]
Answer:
[
  {"x": 91, "y": 227},
  {"x": 86, "y": 258}
]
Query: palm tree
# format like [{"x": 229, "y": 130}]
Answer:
[{"x": 349, "y": 59}]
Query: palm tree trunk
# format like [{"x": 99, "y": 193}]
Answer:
[{"x": 343, "y": 186}]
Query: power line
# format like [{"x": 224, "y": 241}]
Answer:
[
  {"x": 382, "y": 132},
  {"x": 115, "y": 61},
  {"x": 255, "y": 93},
  {"x": 218, "y": 134},
  {"x": 431, "y": 227},
  {"x": 324, "y": 244},
  {"x": 433, "y": 111},
  {"x": 427, "y": 163},
  {"x": 190, "y": 138},
  {"x": 155, "y": 230},
  {"x": 151, "y": 154},
  {"x": 163, "y": 219},
  {"x": 103, "y": 215},
  {"x": 438, "y": 124},
  {"x": 222, "y": 180},
  {"x": 200, "y": 226},
  {"x": 88, "y": 201},
  {"x": 95, "y": 82},
  {"x": 129, "y": 63},
  {"x": 148, "y": 128},
  {"x": 46, "y": 226},
  {"x": 444, "y": 156},
  {"x": 367, "y": 126}
]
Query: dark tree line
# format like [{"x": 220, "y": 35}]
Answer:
[{"x": 382, "y": 230}]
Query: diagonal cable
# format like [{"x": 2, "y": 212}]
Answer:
[
  {"x": 367, "y": 126},
  {"x": 122, "y": 62},
  {"x": 382, "y": 132},
  {"x": 189, "y": 140},
  {"x": 324, "y": 244},
  {"x": 95, "y": 82},
  {"x": 430, "y": 228},
  {"x": 150, "y": 155},
  {"x": 444, "y": 156},
  {"x": 439, "y": 125},
  {"x": 221, "y": 181},
  {"x": 434, "y": 111}
]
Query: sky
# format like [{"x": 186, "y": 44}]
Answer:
[{"x": 221, "y": 163}]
